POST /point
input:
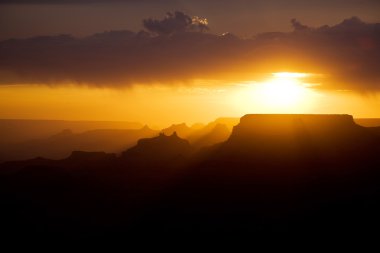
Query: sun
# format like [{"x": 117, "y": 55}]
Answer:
[{"x": 283, "y": 92}]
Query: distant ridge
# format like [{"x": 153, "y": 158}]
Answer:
[
  {"x": 18, "y": 130},
  {"x": 62, "y": 144}
]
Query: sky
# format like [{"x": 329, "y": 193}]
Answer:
[
  {"x": 172, "y": 61},
  {"x": 25, "y": 18}
]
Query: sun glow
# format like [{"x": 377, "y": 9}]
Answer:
[
  {"x": 284, "y": 92},
  {"x": 290, "y": 75}
]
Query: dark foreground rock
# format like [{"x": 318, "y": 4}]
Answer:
[{"x": 309, "y": 174}]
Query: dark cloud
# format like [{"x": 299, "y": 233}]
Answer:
[
  {"x": 348, "y": 53},
  {"x": 297, "y": 25},
  {"x": 175, "y": 22},
  {"x": 29, "y": 18}
]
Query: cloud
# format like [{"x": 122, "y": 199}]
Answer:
[
  {"x": 348, "y": 51},
  {"x": 297, "y": 25},
  {"x": 174, "y": 49},
  {"x": 175, "y": 22}
]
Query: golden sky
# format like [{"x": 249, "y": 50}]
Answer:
[{"x": 161, "y": 105}]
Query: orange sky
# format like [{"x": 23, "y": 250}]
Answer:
[{"x": 163, "y": 105}]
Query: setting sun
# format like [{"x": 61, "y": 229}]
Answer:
[{"x": 283, "y": 90}]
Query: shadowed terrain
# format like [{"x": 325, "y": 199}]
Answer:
[
  {"x": 368, "y": 122},
  {"x": 25, "y": 139},
  {"x": 283, "y": 173},
  {"x": 14, "y": 131},
  {"x": 60, "y": 145}
]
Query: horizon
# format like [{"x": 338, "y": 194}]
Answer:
[{"x": 179, "y": 122}]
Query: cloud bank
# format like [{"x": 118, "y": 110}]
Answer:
[{"x": 178, "y": 48}]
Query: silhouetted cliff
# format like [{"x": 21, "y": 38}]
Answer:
[
  {"x": 162, "y": 147},
  {"x": 182, "y": 130}
]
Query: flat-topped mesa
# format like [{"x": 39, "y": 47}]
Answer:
[
  {"x": 279, "y": 124},
  {"x": 322, "y": 120},
  {"x": 285, "y": 131}
]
